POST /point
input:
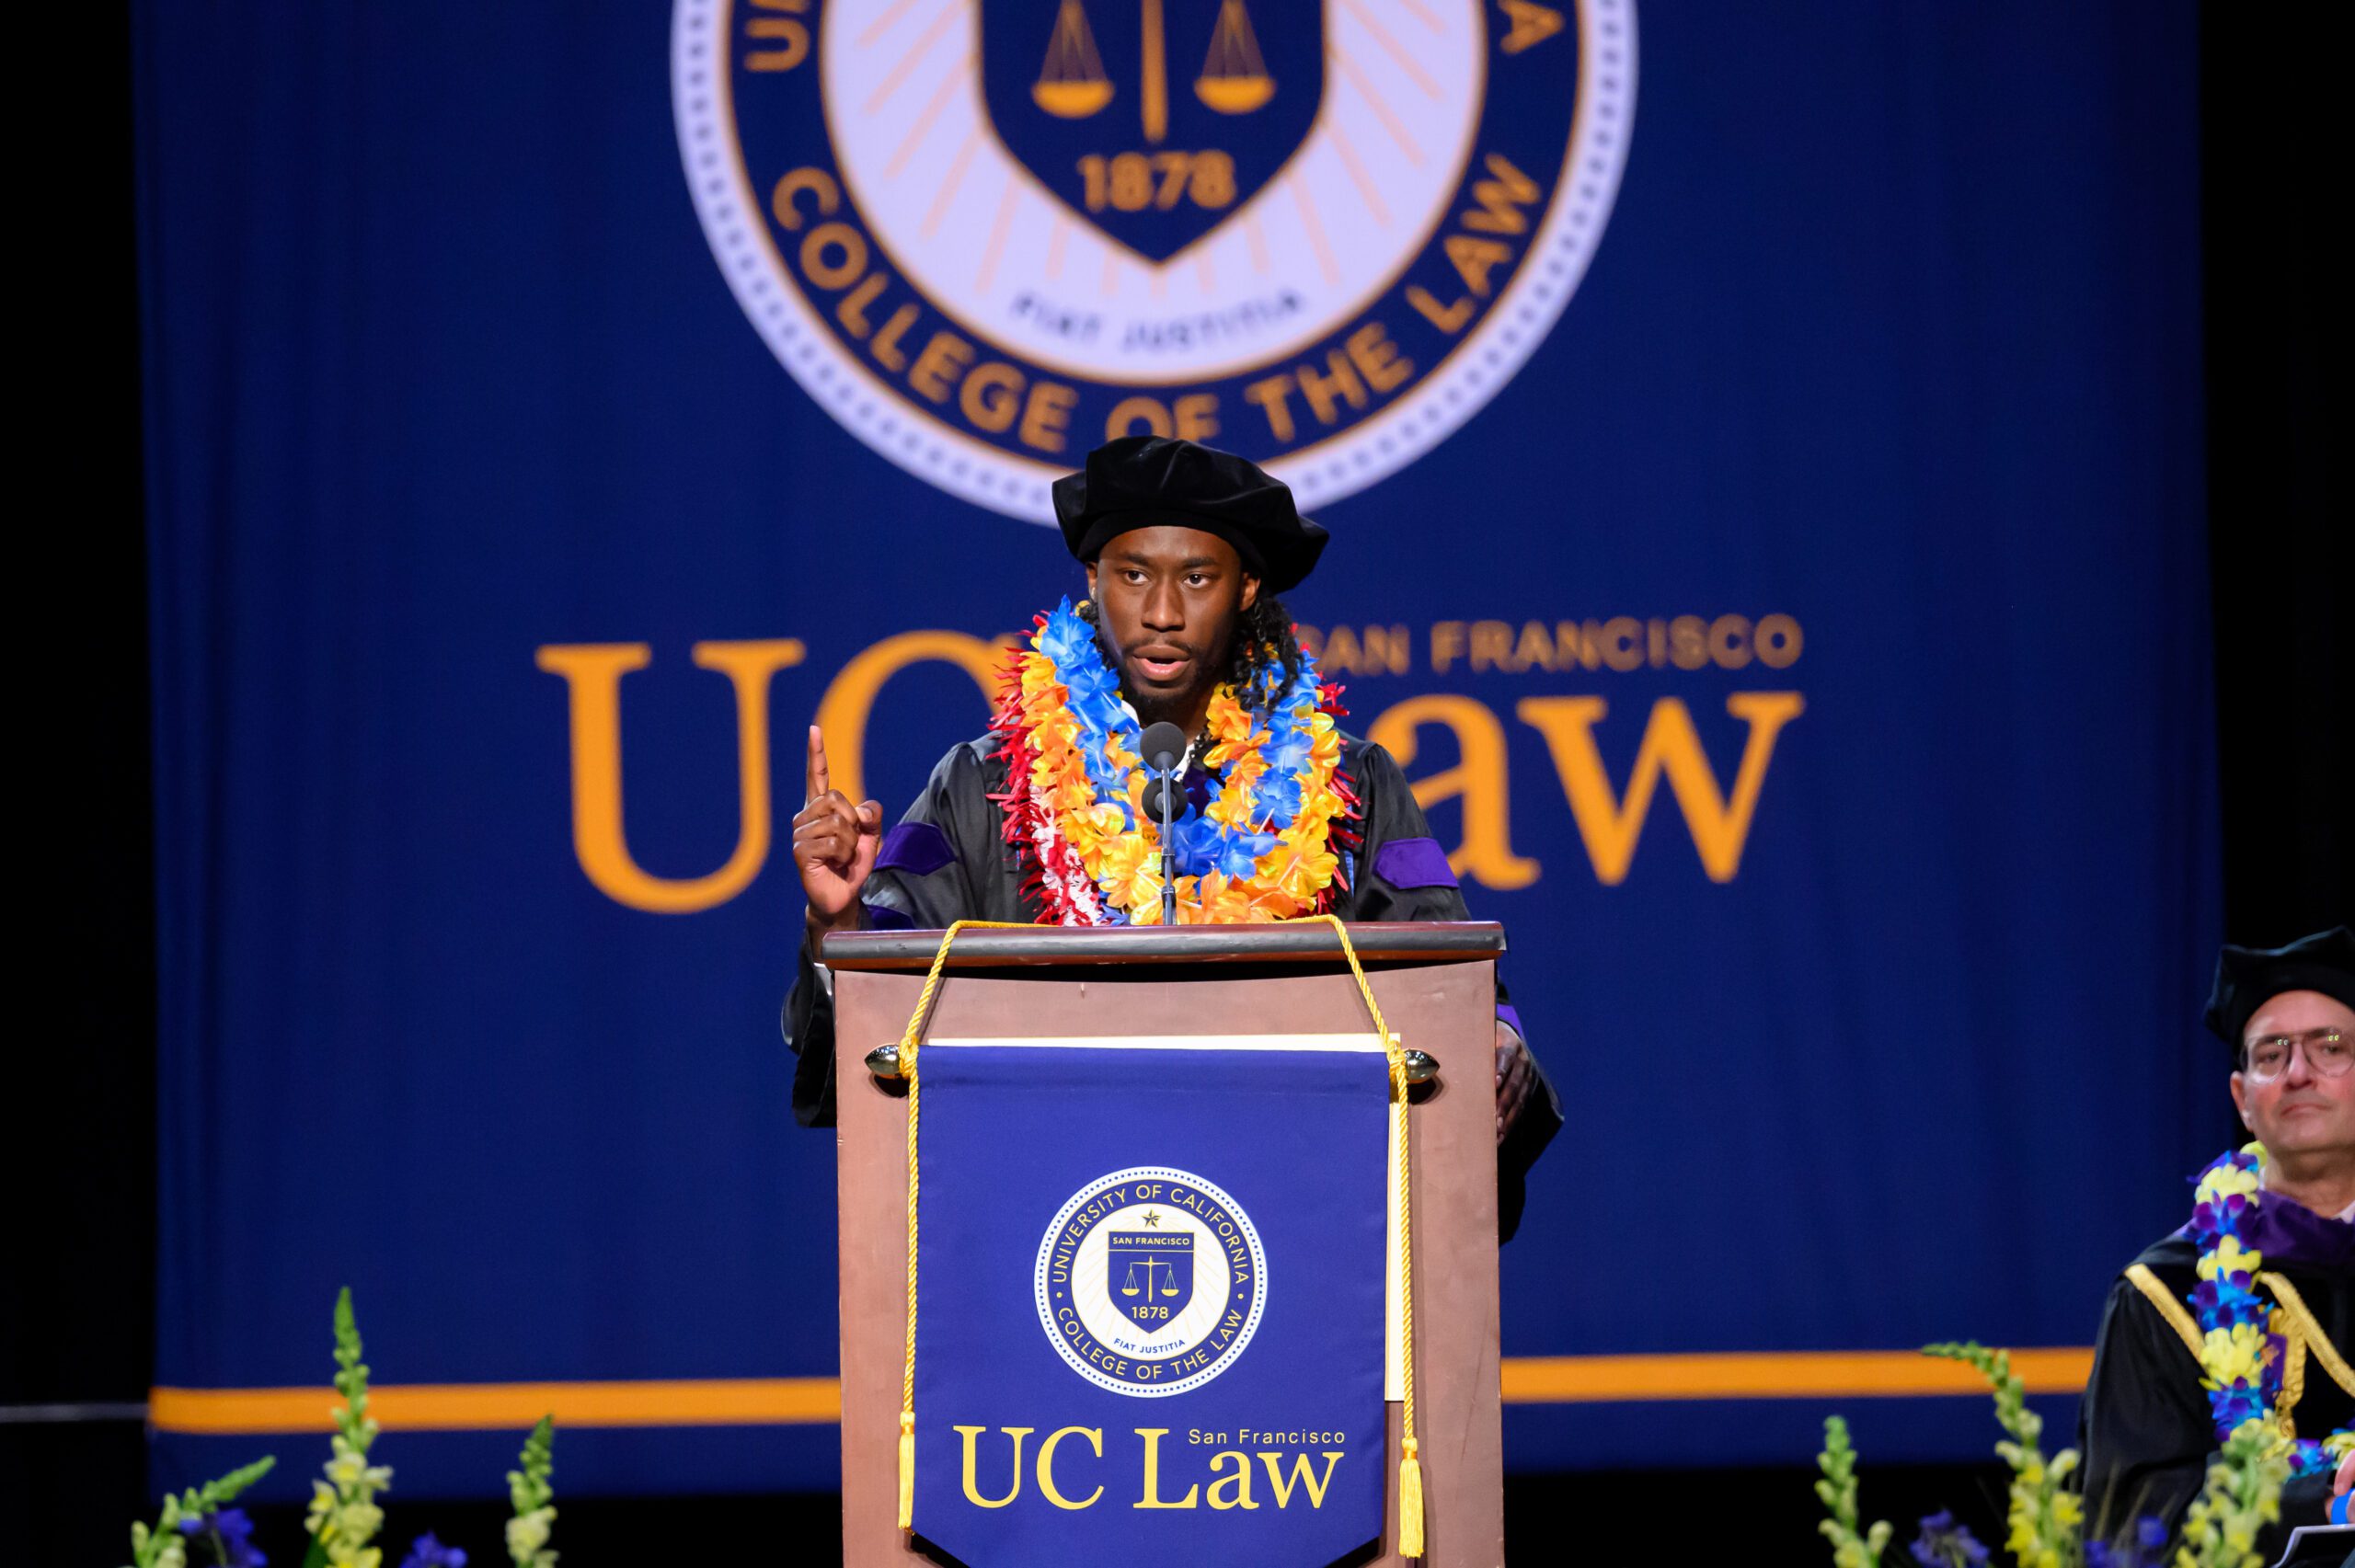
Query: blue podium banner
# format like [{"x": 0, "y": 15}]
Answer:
[{"x": 1149, "y": 1303}]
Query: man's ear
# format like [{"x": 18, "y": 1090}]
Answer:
[
  {"x": 1091, "y": 579},
  {"x": 2240, "y": 1100},
  {"x": 1250, "y": 593}
]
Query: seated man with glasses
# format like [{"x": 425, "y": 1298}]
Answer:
[{"x": 2147, "y": 1428}]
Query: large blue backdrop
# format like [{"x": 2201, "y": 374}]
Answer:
[{"x": 1767, "y": 503}]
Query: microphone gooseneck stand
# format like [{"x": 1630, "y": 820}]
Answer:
[{"x": 1164, "y": 745}]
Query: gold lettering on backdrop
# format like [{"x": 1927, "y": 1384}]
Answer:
[
  {"x": 1359, "y": 651},
  {"x": 851, "y": 309},
  {"x": 1095, "y": 1435},
  {"x": 886, "y": 346},
  {"x": 1192, "y": 418},
  {"x": 1153, "y": 1498},
  {"x": 994, "y": 396},
  {"x": 1367, "y": 365},
  {"x": 972, "y": 1434},
  {"x": 1047, "y": 415},
  {"x": 1131, "y": 412},
  {"x": 1231, "y": 1491},
  {"x": 943, "y": 358},
  {"x": 1498, "y": 210},
  {"x": 1532, "y": 24},
  {"x": 818, "y": 182},
  {"x": 843, "y": 710},
  {"x": 1720, "y": 827},
  {"x": 991, "y": 396},
  {"x": 834, "y": 255},
  {"x": 1609, "y": 823},
  {"x": 1302, "y": 1475},
  {"x": 592, "y": 673},
  {"x": 786, "y": 41},
  {"x": 1486, "y": 855},
  {"x": 1268, "y": 395}
]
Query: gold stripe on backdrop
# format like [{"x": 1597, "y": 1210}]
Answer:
[{"x": 771, "y": 1402}]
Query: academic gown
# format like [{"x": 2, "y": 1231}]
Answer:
[
  {"x": 947, "y": 860},
  {"x": 2144, "y": 1427}
]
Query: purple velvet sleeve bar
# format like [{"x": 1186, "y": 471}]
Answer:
[
  {"x": 1413, "y": 862},
  {"x": 917, "y": 848}
]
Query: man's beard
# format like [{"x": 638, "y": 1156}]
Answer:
[{"x": 1179, "y": 708}]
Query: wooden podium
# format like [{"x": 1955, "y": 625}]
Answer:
[{"x": 1436, "y": 987}]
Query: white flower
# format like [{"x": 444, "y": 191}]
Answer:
[{"x": 527, "y": 1533}]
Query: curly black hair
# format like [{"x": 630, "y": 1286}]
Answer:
[{"x": 1263, "y": 643}]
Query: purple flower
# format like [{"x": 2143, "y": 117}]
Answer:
[
  {"x": 427, "y": 1552},
  {"x": 1943, "y": 1543},
  {"x": 2150, "y": 1537},
  {"x": 233, "y": 1533}
]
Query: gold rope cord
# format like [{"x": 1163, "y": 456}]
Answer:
[
  {"x": 908, "y": 1040},
  {"x": 1411, "y": 1464}
]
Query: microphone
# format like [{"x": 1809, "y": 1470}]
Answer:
[
  {"x": 1161, "y": 746},
  {"x": 1164, "y": 746}
]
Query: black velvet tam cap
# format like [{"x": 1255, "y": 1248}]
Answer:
[
  {"x": 1148, "y": 481},
  {"x": 2248, "y": 977}
]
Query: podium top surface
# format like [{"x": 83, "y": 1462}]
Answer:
[{"x": 1287, "y": 941}]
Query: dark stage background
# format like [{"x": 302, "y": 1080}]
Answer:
[{"x": 82, "y": 1282}]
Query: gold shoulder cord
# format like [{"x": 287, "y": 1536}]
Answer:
[
  {"x": 2310, "y": 1330},
  {"x": 2177, "y": 1316}
]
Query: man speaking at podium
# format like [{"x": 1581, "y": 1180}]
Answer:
[{"x": 1040, "y": 819}]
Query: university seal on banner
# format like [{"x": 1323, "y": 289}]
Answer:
[
  {"x": 1151, "y": 1281},
  {"x": 987, "y": 235}
]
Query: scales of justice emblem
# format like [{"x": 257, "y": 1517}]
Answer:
[
  {"x": 1147, "y": 151},
  {"x": 1155, "y": 1273},
  {"x": 985, "y": 235}
]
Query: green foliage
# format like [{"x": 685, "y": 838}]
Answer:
[
  {"x": 535, "y": 1500},
  {"x": 2046, "y": 1519},
  {"x": 1838, "y": 1490},
  {"x": 2243, "y": 1495},
  {"x": 344, "y": 1516},
  {"x": 163, "y": 1545}
]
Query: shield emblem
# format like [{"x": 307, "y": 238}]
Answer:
[
  {"x": 1149, "y": 1276},
  {"x": 1152, "y": 121}
]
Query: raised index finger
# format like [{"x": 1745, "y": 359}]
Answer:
[{"x": 817, "y": 780}]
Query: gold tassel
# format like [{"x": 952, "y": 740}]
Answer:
[
  {"x": 908, "y": 1470},
  {"x": 1410, "y": 1503}
]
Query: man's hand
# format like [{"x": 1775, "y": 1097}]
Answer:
[
  {"x": 834, "y": 847},
  {"x": 1516, "y": 1077}
]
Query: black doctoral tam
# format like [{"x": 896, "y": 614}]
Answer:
[
  {"x": 1148, "y": 481},
  {"x": 2247, "y": 977}
]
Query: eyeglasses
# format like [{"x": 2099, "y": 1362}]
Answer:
[{"x": 2328, "y": 1054}]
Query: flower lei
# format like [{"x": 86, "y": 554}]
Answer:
[
  {"x": 2242, "y": 1355},
  {"x": 1268, "y": 846}
]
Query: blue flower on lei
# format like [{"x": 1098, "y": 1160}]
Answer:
[{"x": 2228, "y": 1299}]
